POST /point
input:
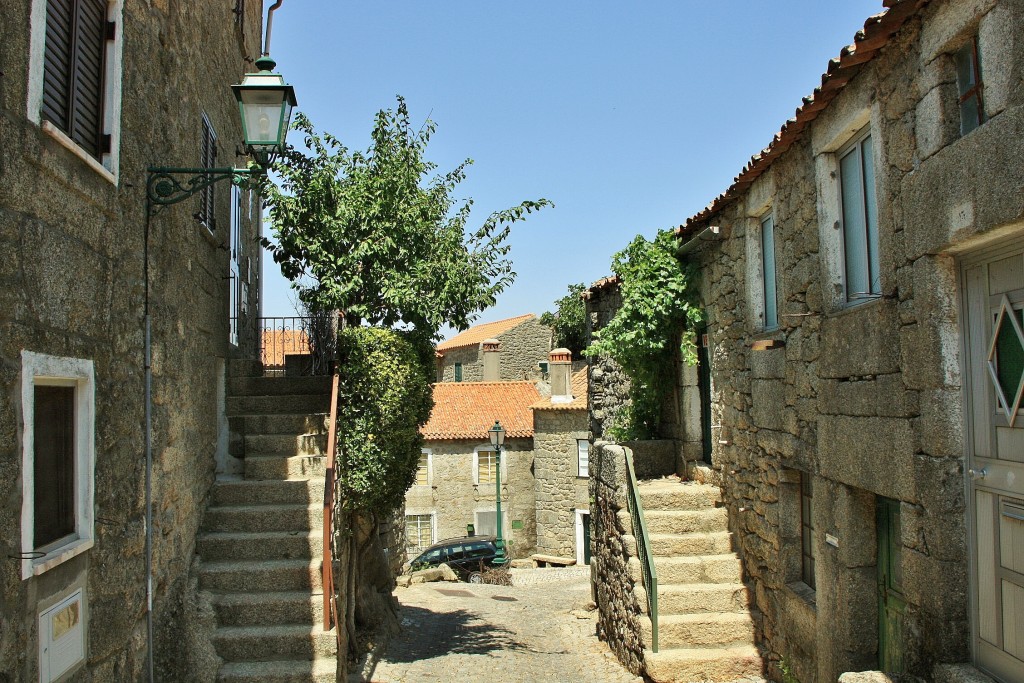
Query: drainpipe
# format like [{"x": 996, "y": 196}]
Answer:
[
  {"x": 708, "y": 233},
  {"x": 148, "y": 371}
]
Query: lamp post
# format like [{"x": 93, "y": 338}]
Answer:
[{"x": 497, "y": 434}]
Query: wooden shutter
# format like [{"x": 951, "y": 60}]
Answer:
[
  {"x": 208, "y": 159},
  {"x": 53, "y": 464},
  {"x": 73, "y": 69}
]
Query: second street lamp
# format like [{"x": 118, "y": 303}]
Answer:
[{"x": 497, "y": 435}]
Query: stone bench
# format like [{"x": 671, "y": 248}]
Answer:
[{"x": 545, "y": 560}]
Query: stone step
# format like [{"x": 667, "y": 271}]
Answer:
[
  {"x": 286, "y": 444},
  {"x": 284, "y": 423},
  {"x": 272, "y": 545},
  {"x": 282, "y": 467},
  {"x": 686, "y": 521},
  {"x": 256, "y": 518},
  {"x": 269, "y": 609},
  {"x": 279, "y": 386},
  {"x": 705, "y": 664},
  {"x": 269, "y": 643},
  {"x": 710, "y": 629},
  {"x": 321, "y": 670},
  {"x": 697, "y": 543},
  {"x": 699, "y": 569},
  {"x": 262, "y": 576},
  {"x": 692, "y": 598},
  {"x": 675, "y": 495},
  {"x": 244, "y": 367},
  {"x": 283, "y": 404},
  {"x": 267, "y": 492}
]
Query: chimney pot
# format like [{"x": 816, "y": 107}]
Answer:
[
  {"x": 492, "y": 360},
  {"x": 561, "y": 372}
]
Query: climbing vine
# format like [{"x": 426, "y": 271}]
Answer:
[
  {"x": 384, "y": 398},
  {"x": 660, "y": 309}
]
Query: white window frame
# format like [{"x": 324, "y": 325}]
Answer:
[
  {"x": 476, "y": 464},
  {"x": 582, "y": 471},
  {"x": 433, "y": 528},
  {"x": 430, "y": 468},
  {"x": 41, "y": 369},
  {"x": 855, "y": 145},
  {"x": 108, "y": 165}
]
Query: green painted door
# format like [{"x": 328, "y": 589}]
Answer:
[
  {"x": 891, "y": 603},
  {"x": 585, "y": 521}
]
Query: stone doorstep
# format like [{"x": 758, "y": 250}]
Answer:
[
  {"x": 268, "y": 609},
  {"x": 267, "y": 492},
  {"x": 708, "y": 629},
  {"x": 269, "y": 643},
  {"x": 284, "y": 467},
  {"x": 690, "y": 665},
  {"x": 262, "y": 545},
  {"x": 959, "y": 673},
  {"x": 257, "y": 518},
  {"x": 319, "y": 670},
  {"x": 686, "y": 521},
  {"x": 261, "y": 576}
]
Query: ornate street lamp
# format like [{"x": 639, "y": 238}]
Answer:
[
  {"x": 265, "y": 102},
  {"x": 497, "y": 435}
]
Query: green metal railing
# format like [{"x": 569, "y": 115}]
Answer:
[{"x": 643, "y": 547}]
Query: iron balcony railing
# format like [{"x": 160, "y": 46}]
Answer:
[
  {"x": 643, "y": 546},
  {"x": 311, "y": 340}
]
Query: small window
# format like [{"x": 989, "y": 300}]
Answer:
[
  {"x": 582, "y": 458},
  {"x": 770, "y": 288},
  {"x": 419, "y": 532},
  {"x": 807, "y": 536},
  {"x": 208, "y": 160},
  {"x": 859, "y": 220},
  {"x": 423, "y": 469},
  {"x": 487, "y": 522},
  {"x": 458, "y": 372},
  {"x": 970, "y": 86},
  {"x": 486, "y": 467},
  {"x": 54, "y": 464}
]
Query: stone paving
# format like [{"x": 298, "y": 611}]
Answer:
[{"x": 537, "y": 630}]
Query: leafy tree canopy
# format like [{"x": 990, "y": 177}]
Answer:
[
  {"x": 569, "y": 320},
  {"x": 380, "y": 237}
]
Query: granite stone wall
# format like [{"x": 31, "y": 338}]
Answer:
[
  {"x": 560, "y": 491},
  {"x": 71, "y": 285},
  {"x": 607, "y": 383},
  {"x": 522, "y": 348}
]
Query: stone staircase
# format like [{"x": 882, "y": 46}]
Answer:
[
  {"x": 261, "y": 544},
  {"x": 705, "y": 628}
]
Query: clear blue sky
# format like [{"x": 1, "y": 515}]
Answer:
[{"x": 631, "y": 116}]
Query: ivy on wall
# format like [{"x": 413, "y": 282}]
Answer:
[
  {"x": 660, "y": 308},
  {"x": 384, "y": 398}
]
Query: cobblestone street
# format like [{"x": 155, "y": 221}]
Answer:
[{"x": 537, "y": 630}]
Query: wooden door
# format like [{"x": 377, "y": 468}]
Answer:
[
  {"x": 994, "y": 343},
  {"x": 892, "y": 606}
]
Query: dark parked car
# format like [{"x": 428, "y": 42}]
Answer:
[{"x": 467, "y": 556}]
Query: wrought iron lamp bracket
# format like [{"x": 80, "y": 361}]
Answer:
[{"x": 167, "y": 186}]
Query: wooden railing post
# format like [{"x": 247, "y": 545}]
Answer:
[{"x": 328, "y": 563}]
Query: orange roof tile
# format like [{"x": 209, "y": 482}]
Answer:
[
  {"x": 478, "y": 333},
  {"x": 875, "y": 35},
  {"x": 466, "y": 410},
  {"x": 578, "y": 382}
]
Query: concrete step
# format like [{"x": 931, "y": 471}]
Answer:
[
  {"x": 699, "y": 569},
  {"x": 284, "y": 404},
  {"x": 269, "y": 609},
  {"x": 686, "y": 521},
  {"x": 262, "y": 576},
  {"x": 693, "y": 598},
  {"x": 279, "y": 386},
  {"x": 697, "y": 543},
  {"x": 271, "y": 545},
  {"x": 675, "y": 495},
  {"x": 706, "y": 664},
  {"x": 267, "y": 492},
  {"x": 321, "y": 670},
  {"x": 282, "y": 467},
  {"x": 257, "y": 518},
  {"x": 710, "y": 629},
  {"x": 284, "y": 423},
  {"x": 268, "y": 643},
  {"x": 286, "y": 444}
]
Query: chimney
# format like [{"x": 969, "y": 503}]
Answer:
[
  {"x": 492, "y": 358},
  {"x": 561, "y": 372}
]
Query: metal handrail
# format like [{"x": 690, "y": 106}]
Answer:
[
  {"x": 643, "y": 545},
  {"x": 330, "y": 611}
]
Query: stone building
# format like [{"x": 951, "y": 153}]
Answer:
[
  {"x": 524, "y": 345},
  {"x": 88, "y": 101},
  {"x": 862, "y": 365}
]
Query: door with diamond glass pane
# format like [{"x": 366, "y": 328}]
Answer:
[{"x": 993, "y": 330}]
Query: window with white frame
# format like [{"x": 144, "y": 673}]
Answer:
[
  {"x": 74, "y": 89},
  {"x": 859, "y": 213},
  {"x": 423, "y": 469},
  {"x": 58, "y": 459},
  {"x": 582, "y": 458},
  {"x": 770, "y": 283},
  {"x": 419, "y": 532},
  {"x": 485, "y": 467},
  {"x": 486, "y": 522}
]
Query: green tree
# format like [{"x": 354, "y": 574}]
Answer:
[
  {"x": 659, "y": 300},
  {"x": 379, "y": 237},
  {"x": 569, "y": 321}
]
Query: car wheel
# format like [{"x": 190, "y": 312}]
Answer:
[{"x": 476, "y": 577}]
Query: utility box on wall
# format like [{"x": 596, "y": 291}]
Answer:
[{"x": 61, "y": 637}]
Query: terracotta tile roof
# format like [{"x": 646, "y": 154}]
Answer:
[
  {"x": 466, "y": 410},
  {"x": 603, "y": 283},
  {"x": 278, "y": 343},
  {"x": 852, "y": 58},
  {"x": 478, "y": 333},
  {"x": 579, "y": 395}
]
